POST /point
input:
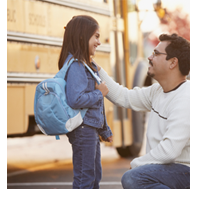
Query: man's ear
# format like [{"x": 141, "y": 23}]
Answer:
[{"x": 174, "y": 63}]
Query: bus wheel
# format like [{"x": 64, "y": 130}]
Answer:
[
  {"x": 124, "y": 152},
  {"x": 138, "y": 124}
]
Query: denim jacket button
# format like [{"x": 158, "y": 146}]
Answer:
[
  {"x": 101, "y": 112},
  {"x": 102, "y": 125}
]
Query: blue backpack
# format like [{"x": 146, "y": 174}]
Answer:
[{"x": 52, "y": 113}]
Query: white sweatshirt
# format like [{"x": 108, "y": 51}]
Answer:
[{"x": 168, "y": 131}]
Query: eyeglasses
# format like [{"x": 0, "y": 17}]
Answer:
[{"x": 156, "y": 53}]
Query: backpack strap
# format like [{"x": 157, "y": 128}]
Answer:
[
  {"x": 63, "y": 71},
  {"x": 98, "y": 80},
  {"x": 57, "y": 137}
]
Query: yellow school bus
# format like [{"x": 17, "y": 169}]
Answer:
[{"x": 35, "y": 31}]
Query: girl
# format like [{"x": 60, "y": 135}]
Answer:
[{"x": 81, "y": 39}]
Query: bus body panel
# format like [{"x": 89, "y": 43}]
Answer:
[{"x": 34, "y": 39}]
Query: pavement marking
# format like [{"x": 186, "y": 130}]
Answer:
[
  {"x": 55, "y": 183},
  {"x": 31, "y": 169},
  {"x": 40, "y": 167},
  {"x": 39, "y": 183},
  {"x": 110, "y": 183},
  {"x": 17, "y": 173}
]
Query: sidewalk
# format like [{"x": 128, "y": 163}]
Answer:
[{"x": 28, "y": 152}]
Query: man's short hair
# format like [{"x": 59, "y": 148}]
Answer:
[{"x": 179, "y": 48}]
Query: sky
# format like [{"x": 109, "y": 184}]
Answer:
[{"x": 171, "y": 4}]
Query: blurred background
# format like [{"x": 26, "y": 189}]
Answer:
[{"x": 129, "y": 32}]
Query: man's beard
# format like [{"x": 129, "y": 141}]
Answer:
[{"x": 148, "y": 73}]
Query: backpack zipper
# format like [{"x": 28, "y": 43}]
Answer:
[{"x": 44, "y": 85}]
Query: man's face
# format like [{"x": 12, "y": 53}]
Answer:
[{"x": 158, "y": 65}]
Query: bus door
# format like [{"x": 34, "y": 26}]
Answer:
[{"x": 122, "y": 123}]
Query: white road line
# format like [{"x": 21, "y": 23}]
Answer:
[
  {"x": 39, "y": 183},
  {"x": 55, "y": 183},
  {"x": 110, "y": 183},
  {"x": 17, "y": 173},
  {"x": 40, "y": 167}
]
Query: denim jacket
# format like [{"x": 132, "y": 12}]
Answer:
[{"x": 81, "y": 93}]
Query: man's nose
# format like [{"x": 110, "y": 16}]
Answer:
[{"x": 150, "y": 57}]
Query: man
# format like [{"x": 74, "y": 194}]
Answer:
[{"x": 167, "y": 160}]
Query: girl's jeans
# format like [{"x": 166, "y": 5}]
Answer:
[
  {"x": 157, "y": 176},
  {"x": 86, "y": 157}
]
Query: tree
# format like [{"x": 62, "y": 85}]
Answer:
[{"x": 176, "y": 21}]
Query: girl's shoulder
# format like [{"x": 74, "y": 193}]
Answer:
[
  {"x": 76, "y": 65},
  {"x": 75, "y": 62},
  {"x": 77, "y": 69}
]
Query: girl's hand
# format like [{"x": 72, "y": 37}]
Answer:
[
  {"x": 103, "y": 88},
  {"x": 109, "y": 139}
]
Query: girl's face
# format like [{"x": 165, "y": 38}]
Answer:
[{"x": 94, "y": 42}]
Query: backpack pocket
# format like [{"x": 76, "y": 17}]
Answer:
[{"x": 52, "y": 119}]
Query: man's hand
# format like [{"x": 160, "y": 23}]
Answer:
[{"x": 103, "y": 88}]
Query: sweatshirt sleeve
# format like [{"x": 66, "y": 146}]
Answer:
[
  {"x": 138, "y": 99},
  {"x": 175, "y": 139}
]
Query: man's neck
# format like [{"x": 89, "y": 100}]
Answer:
[{"x": 169, "y": 85}]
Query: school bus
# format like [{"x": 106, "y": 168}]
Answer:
[{"x": 35, "y": 31}]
